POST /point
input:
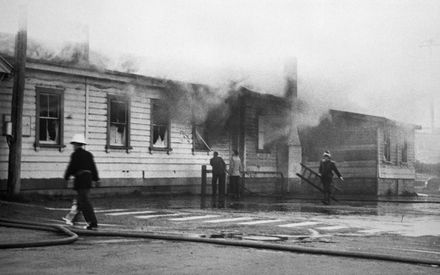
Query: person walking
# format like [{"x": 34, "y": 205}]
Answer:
[
  {"x": 326, "y": 168},
  {"x": 83, "y": 168},
  {"x": 235, "y": 170},
  {"x": 218, "y": 174}
]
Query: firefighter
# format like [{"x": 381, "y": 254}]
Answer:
[
  {"x": 235, "y": 171},
  {"x": 326, "y": 168},
  {"x": 83, "y": 168},
  {"x": 218, "y": 174}
]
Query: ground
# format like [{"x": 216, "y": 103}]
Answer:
[{"x": 404, "y": 228}]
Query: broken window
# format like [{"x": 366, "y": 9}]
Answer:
[
  {"x": 387, "y": 145},
  {"x": 160, "y": 126},
  {"x": 118, "y": 122},
  {"x": 200, "y": 138},
  {"x": 49, "y": 126}
]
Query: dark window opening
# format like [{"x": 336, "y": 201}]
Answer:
[
  {"x": 160, "y": 126},
  {"x": 261, "y": 133},
  {"x": 405, "y": 151},
  {"x": 268, "y": 131},
  {"x": 387, "y": 145}
]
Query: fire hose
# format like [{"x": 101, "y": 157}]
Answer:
[
  {"x": 74, "y": 232},
  {"x": 38, "y": 226}
]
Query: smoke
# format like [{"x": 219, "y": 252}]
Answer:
[
  {"x": 360, "y": 56},
  {"x": 197, "y": 103}
]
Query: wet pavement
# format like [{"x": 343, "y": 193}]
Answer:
[{"x": 400, "y": 226}]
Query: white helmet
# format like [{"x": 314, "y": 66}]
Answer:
[{"x": 78, "y": 138}]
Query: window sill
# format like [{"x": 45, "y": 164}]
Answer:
[
  {"x": 158, "y": 149},
  {"x": 116, "y": 147},
  {"x": 200, "y": 151},
  {"x": 37, "y": 146}
]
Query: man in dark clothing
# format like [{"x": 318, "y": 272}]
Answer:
[
  {"x": 326, "y": 169},
  {"x": 218, "y": 173},
  {"x": 83, "y": 168}
]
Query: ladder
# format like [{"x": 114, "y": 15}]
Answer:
[{"x": 314, "y": 179}]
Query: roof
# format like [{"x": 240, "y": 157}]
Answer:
[
  {"x": 89, "y": 71},
  {"x": 371, "y": 118},
  {"x": 94, "y": 72},
  {"x": 270, "y": 97}
]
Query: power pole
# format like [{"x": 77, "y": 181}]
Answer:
[{"x": 15, "y": 145}]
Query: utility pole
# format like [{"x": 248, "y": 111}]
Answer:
[
  {"x": 15, "y": 145},
  {"x": 431, "y": 44}
]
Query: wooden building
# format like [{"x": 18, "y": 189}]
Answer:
[
  {"x": 374, "y": 154},
  {"x": 145, "y": 133}
]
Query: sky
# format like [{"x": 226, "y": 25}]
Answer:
[{"x": 362, "y": 56}]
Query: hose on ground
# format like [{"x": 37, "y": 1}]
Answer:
[
  {"x": 249, "y": 244},
  {"x": 38, "y": 226}
]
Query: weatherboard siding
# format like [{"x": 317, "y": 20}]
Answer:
[
  {"x": 396, "y": 169},
  {"x": 257, "y": 160},
  {"x": 115, "y": 166},
  {"x": 5, "y": 109}
]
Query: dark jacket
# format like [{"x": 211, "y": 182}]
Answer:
[
  {"x": 218, "y": 166},
  {"x": 83, "y": 168},
  {"x": 326, "y": 169}
]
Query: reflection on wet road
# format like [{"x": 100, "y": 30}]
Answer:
[{"x": 350, "y": 217}]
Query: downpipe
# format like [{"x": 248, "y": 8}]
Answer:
[{"x": 74, "y": 232}]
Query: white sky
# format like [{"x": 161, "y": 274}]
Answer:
[{"x": 362, "y": 56}]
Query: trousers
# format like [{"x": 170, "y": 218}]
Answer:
[
  {"x": 327, "y": 186},
  {"x": 85, "y": 206},
  {"x": 221, "y": 184},
  {"x": 234, "y": 182}
]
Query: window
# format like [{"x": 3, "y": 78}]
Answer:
[
  {"x": 268, "y": 131},
  {"x": 200, "y": 138},
  {"x": 118, "y": 123},
  {"x": 49, "y": 118},
  {"x": 387, "y": 145},
  {"x": 160, "y": 126},
  {"x": 261, "y": 132},
  {"x": 405, "y": 150}
]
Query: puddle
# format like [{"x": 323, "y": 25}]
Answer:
[
  {"x": 241, "y": 236},
  {"x": 408, "y": 219}
]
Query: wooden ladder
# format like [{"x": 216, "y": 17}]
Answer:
[{"x": 314, "y": 179}]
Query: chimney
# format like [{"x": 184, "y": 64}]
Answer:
[
  {"x": 291, "y": 79},
  {"x": 294, "y": 144}
]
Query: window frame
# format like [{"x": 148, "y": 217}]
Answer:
[
  {"x": 126, "y": 100},
  {"x": 404, "y": 151},
  {"x": 59, "y": 92},
  {"x": 265, "y": 149},
  {"x": 152, "y": 148}
]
